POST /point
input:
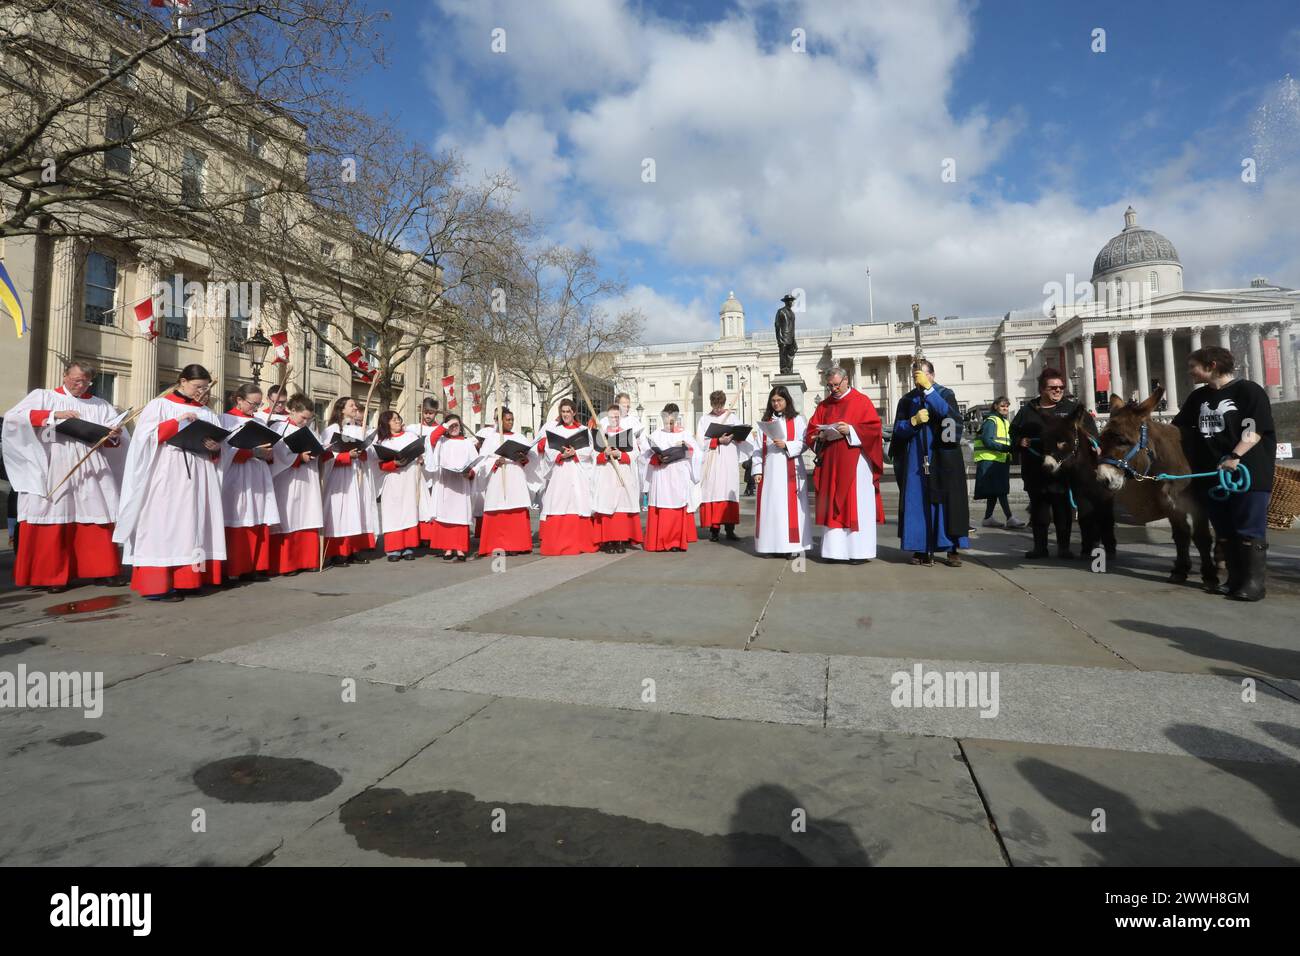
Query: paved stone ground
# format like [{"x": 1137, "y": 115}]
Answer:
[{"x": 505, "y": 718}]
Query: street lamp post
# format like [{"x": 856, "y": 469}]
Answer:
[{"x": 257, "y": 344}]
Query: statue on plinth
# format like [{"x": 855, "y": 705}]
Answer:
[{"x": 785, "y": 342}]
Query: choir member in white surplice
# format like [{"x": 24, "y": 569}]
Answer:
[
  {"x": 781, "y": 524},
  {"x": 275, "y": 410},
  {"x": 629, "y": 420},
  {"x": 351, "y": 516},
  {"x": 66, "y": 535},
  {"x": 399, "y": 488},
  {"x": 616, "y": 517},
  {"x": 452, "y": 505},
  {"x": 170, "y": 523},
  {"x": 295, "y": 541},
  {"x": 430, "y": 431},
  {"x": 566, "y": 502},
  {"x": 720, "y": 477},
  {"x": 507, "y": 492},
  {"x": 247, "y": 493},
  {"x": 669, "y": 525}
]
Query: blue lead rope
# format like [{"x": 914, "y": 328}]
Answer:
[{"x": 1230, "y": 482}]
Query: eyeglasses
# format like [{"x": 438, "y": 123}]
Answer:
[{"x": 1056, "y": 388}]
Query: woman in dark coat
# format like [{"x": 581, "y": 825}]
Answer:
[{"x": 1049, "y": 494}]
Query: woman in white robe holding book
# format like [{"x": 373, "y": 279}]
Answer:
[
  {"x": 781, "y": 524},
  {"x": 399, "y": 488},
  {"x": 452, "y": 503}
]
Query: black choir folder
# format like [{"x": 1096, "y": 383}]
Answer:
[
  {"x": 252, "y": 434},
  {"x": 575, "y": 441},
  {"x": 669, "y": 455},
  {"x": 619, "y": 441},
  {"x": 404, "y": 455},
  {"x": 81, "y": 430},
  {"x": 341, "y": 443},
  {"x": 303, "y": 440},
  {"x": 192, "y": 436},
  {"x": 512, "y": 449},
  {"x": 738, "y": 432}
]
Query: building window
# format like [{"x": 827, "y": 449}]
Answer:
[
  {"x": 652, "y": 389},
  {"x": 118, "y": 126},
  {"x": 193, "y": 165},
  {"x": 731, "y": 383},
  {"x": 256, "y": 142},
  {"x": 253, "y": 207},
  {"x": 321, "y": 408},
  {"x": 677, "y": 388},
  {"x": 176, "y": 319},
  {"x": 322, "y": 343},
  {"x": 191, "y": 103},
  {"x": 116, "y": 59},
  {"x": 1153, "y": 282},
  {"x": 101, "y": 289},
  {"x": 327, "y": 249},
  {"x": 104, "y": 385},
  {"x": 238, "y": 319},
  {"x": 961, "y": 372}
]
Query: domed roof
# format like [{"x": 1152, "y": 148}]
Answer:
[
  {"x": 1133, "y": 247},
  {"x": 731, "y": 305}
]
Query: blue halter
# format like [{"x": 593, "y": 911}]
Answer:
[{"x": 1229, "y": 483}]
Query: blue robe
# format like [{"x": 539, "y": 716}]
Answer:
[{"x": 911, "y": 508}]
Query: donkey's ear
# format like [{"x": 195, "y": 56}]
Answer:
[
  {"x": 1080, "y": 413},
  {"x": 1116, "y": 403},
  {"x": 1147, "y": 407}
]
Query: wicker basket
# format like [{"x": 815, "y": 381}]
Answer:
[{"x": 1284, "y": 502}]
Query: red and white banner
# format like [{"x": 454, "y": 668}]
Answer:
[
  {"x": 144, "y": 318},
  {"x": 1272, "y": 362},
  {"x": 1061, "y": 367},
  {"x": 474, "y": 396},
  {"x": 449, "y": 390},
  {"x": 1101, "y": 367},
  {"x": 280, "y": 347},
  {"x": 359, "y": 365},
  {"x": 182, "y": 5}
]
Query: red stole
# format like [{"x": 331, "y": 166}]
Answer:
[
  {"x": 836, "y": 478},
  {"x": 791, "y": 493}
]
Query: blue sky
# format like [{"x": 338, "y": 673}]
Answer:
[{"x": 778, "y": 169}]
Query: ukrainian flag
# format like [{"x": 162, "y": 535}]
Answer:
[{"x": 12, "y": 304}]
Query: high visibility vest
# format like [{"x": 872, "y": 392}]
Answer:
[{"x": 982, "y": 452}]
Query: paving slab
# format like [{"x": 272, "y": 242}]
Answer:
[
  {"x": 578, "y": 786},
  {"x": 1149, "y": 712},
  {"x": 34, "y": 655},
  {"x": 1158, "y": 810},
  {"x": 968, "y": 625},
  {"x": 122, "y": 789},
  {"x": 738, "y": 685}
]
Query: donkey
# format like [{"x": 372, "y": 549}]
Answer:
[
  {"x": 1133, "y": 450},
  {"x": 1070, "y": 450}
]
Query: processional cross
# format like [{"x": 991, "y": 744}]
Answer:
[{"x": 915, "y": 326}]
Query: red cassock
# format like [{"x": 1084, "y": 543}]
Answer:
[{"x": 837, "y": 503}]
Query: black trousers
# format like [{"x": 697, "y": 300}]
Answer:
[{"x": 1048, "y": 507}]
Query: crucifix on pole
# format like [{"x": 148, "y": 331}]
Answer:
[{"x": 915, "y": 326}]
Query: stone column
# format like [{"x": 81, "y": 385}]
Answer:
[
  {"x": 1289, "y": 393},
  {"x": 67, "y": 268},
  {"x": 1225, "y": 337},
  {"x": 1116, "y": 379},
  {"x": 1171, "y": 372},
  {"x": 1196, "y": 336},
  {"x": 144, "y": 350},
  {"x": 211, "y": 316},
  {"x": 1089, "y": 379},
  {"x": 1144, "y": 377},
  {"x": 1009, "y": 377},
  {"x": 891, "y": 395},
  {"x": 1256, "y": 357}
]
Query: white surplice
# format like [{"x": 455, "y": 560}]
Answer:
[
  {"x": 720, "y": 473},
  {"x": 453, "y": 494},
  {"x": 510, "y": 485},
  {"x": 672, "y": 485},
  {"x": 170, "y": 512},
  {"x": 617, "y": 483},
  {"x": 297, "y": 487},
  {"x": 349, "y": 506},
  {"x": 568, "y": 486},
  {"x": 247, "y": 491},
  {"x": 38, "y": 457},
  {"x": 399, "y": 491}
]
